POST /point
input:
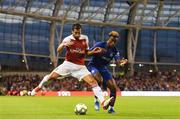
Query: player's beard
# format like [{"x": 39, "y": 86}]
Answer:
[{"x": 77, "y": 37}]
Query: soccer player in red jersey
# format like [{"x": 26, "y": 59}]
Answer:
[{"x": 76, "y": 48}]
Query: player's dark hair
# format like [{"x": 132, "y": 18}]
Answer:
[
  {"x": 114, "y": 33},
  {"x": 76, "y": 26}
]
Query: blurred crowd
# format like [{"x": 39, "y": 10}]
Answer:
[
  {"x": 155, "y": 81},
  {"x": 14, "y": 84},
  {"x": 150, "y": 81}
]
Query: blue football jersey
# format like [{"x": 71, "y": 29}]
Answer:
[{"x": 104, "y": 59}]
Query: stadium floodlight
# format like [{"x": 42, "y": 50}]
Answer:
[
  {"x": 150, "y": 71},
  {"x": 141, "y": 65}
]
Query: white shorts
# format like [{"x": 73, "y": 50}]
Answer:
[{"x": 70, "y": 69}]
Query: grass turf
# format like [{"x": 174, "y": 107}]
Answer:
[{"x": 63, "y": 108}]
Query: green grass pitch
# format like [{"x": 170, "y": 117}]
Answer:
[{"x": 63, "y": 108}]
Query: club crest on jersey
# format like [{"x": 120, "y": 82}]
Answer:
[
  {"x": 93, "y": 71},
  {"x": 111, "y": 55}
]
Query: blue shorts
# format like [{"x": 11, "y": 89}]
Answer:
[{"x": 105, "y": 73}]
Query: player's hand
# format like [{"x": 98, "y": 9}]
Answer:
[
  {"x": 122, "y": 62},
  {"x": 98, "y": 50}
]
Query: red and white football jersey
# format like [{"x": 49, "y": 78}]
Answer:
[{"x": 76, "y": 52}]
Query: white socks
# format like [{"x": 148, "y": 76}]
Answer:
[
  {"x": 46, "y": 78},
  {"x": 33, "y": 92},
  {"x": 98, "y": 92}
]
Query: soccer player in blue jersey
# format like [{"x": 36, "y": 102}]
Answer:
[{"x": 98, "y": 66}]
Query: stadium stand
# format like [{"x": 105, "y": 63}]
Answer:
[
  {"x": 149, "y": 36},
  {"x": 155, "y": 81}
]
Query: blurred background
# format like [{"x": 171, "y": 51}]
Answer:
[{"x": 30, "y": 31}]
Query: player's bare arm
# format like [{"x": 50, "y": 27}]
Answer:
[
  {"x": 63, "y": 45},
  {"x": 60, "y": 48}
]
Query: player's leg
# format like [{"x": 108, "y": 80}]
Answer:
[
  {"x": 83, "y": 73},
  {"x": 99, "y": 80},
  {"x": 97, "y": 91},
  {"x": 109, "y": 82},
  {"x": 51, "y": 76},
  {"x": 113, "y": 89},
  {"x": 94, "y": 71},
  {"x": 61, "y": 70}
]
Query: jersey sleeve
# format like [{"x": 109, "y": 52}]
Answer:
[
  {"x": 98, "y": 44},
  {"x": 66, "y": 39},
  {"x": 87, "y": 42}
]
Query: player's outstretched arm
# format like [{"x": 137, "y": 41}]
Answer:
[{"x": 96, "y": 50}]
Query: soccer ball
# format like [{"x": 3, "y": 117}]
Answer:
[{"x": 80, "y": 109}]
